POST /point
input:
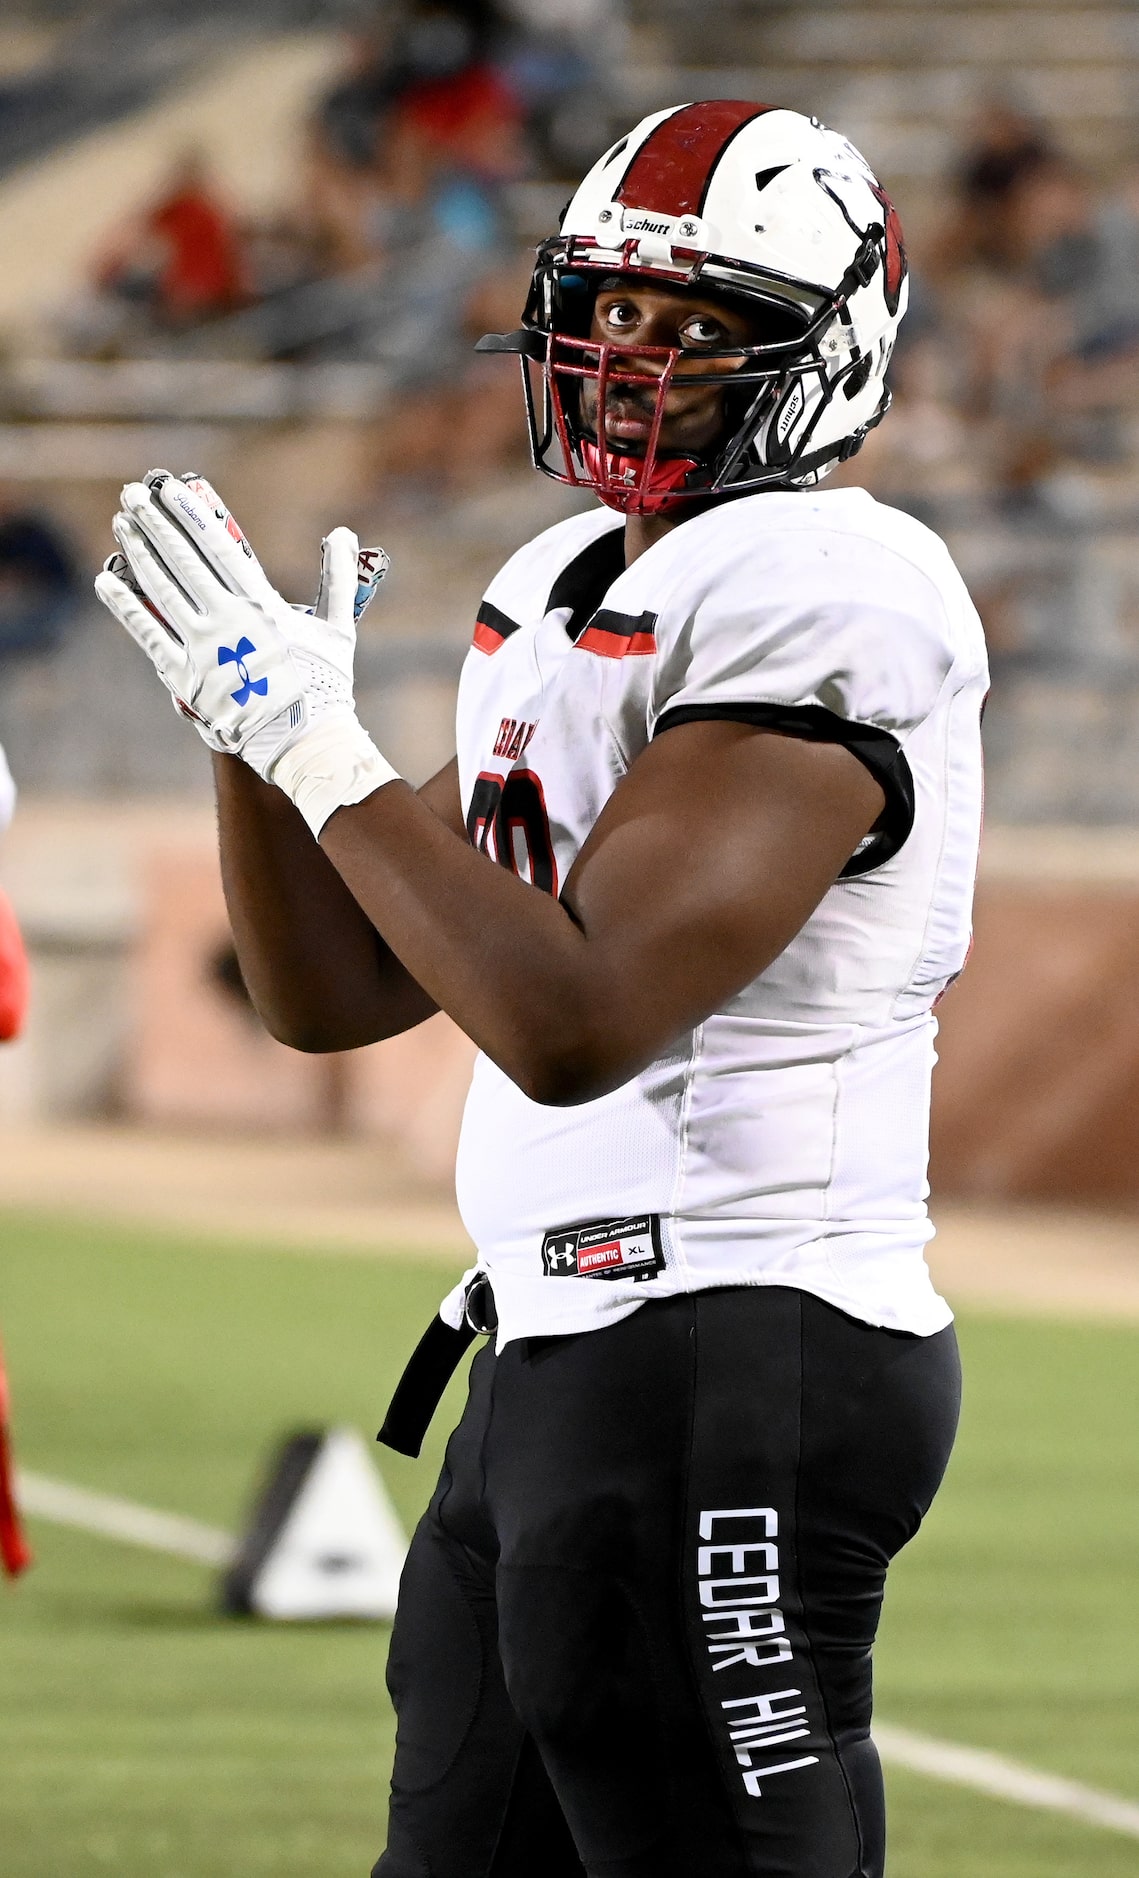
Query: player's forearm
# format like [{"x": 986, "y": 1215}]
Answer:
[
  {"x": 505, "y": 961},
  {"x": 318, "y": 973},
  {"x": 725, "y": 841}
]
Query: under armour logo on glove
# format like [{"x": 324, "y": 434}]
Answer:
[{"x": 237, "y": 655}]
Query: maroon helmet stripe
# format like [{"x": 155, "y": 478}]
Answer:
[{"x": 673, "y": 167}]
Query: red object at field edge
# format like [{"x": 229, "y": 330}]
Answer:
[
  {"x": 15, "y": 1552},
  {"x": 14, "y": 974}
]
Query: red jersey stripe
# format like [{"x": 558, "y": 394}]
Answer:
[
  {"x": 615, "y": 645},
  {"x": 492, "y": 626},
  {"x": 485, "y": 637}
]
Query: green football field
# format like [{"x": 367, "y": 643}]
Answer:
[{"x": 144, "y": 1735}]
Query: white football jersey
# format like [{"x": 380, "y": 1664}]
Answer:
[{"x": 783, "y": 1141}]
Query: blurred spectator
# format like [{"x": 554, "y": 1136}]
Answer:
[
  {"x": 1007, "y": 145},
  {"x": 1022, "y": 361},
  {"x": 39, "y": 579},
  {"x": 424, "y": 44},
  {"x": 1094, "y": 381},
  {"x": 560, "y": 59},
  {"x": 404, "y": 215},
  {"x": 1056, "y": 350},
  {"x": 180, "y": 262},
  {"x": 459, "y": 426},
  {"x": 201, "y": 268},
  {"x": 926, "y": 453},
  {"x": 422, "y": 130}
]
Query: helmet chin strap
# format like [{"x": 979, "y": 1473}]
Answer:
[{"x": 621, "y": 483}]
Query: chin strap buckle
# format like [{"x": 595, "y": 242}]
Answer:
[{"x": 865, "y": 263}]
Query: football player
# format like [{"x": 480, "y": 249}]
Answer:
[{"x": 699, "y": 872}]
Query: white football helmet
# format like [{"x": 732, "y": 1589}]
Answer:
[{"x": 744, "y": 201}]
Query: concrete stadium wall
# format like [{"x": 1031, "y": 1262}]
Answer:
[{"x": 1037, "y": 1089}]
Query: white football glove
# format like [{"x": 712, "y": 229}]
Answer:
[{"x": 260, "y": 679}]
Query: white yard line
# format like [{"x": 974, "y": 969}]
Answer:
[
  {"x": 1004, "y": 1780},
  {"x": 122, "y": 1519},
  {"x": 988, "y": 1773}
]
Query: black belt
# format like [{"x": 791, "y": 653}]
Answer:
[{"x": 431, "y": 1366}]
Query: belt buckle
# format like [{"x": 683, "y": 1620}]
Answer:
[{"x": 478, "y": 1306}]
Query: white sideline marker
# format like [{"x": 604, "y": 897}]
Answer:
[
  {"x": 325, "y": 1541},
  {"x": 959, "y": 1766},
  {"x": 1004, "y": 1780}
]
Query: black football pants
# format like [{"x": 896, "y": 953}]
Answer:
[{"x": 635, "y": 1623}]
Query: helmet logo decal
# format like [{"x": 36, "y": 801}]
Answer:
[
  {"x": 639, "y": 224},
  {"x": 893, "y": 250},
  {"x": 792, "y": 406},
  {"x": 674, "y": 166},
  {"x": 896, "y": 264}
]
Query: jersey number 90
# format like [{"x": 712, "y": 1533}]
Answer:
[{"x": 507, "y": 819}]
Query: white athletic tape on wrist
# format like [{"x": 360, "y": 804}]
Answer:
[{"x": 331, "y": 766}]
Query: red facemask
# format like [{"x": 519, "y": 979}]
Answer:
[{"x": 635, "y": 485}]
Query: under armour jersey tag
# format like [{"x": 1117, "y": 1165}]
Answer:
[{"x": 605, "y": 1248}]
